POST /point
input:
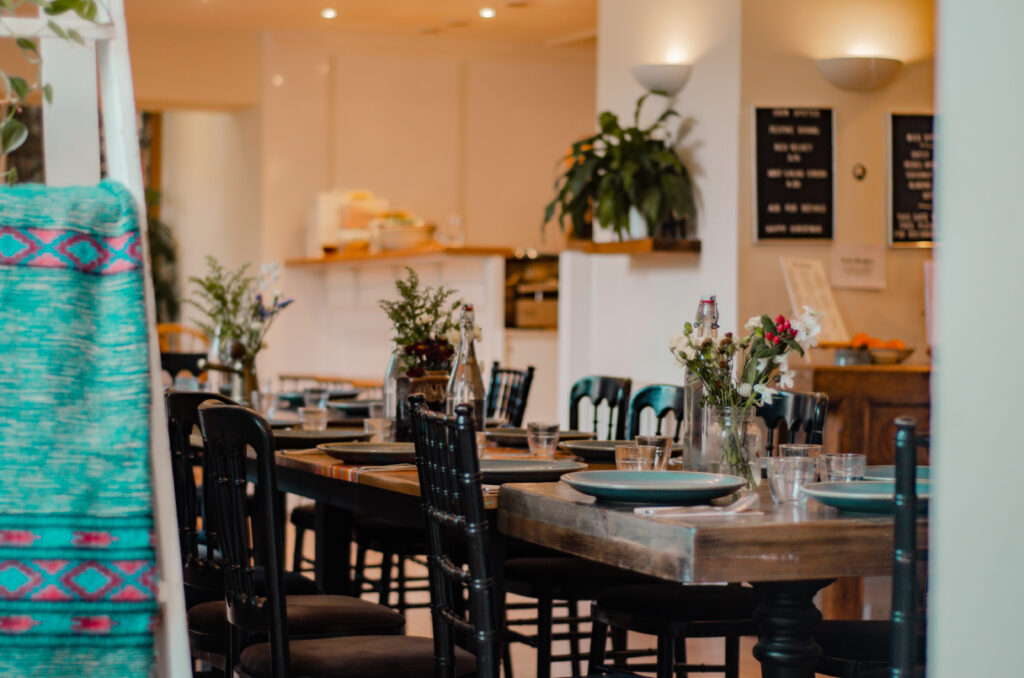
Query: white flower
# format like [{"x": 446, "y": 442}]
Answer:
[
  {"x": 478, "y": 334},
  {"x": 689, "y": 351},
  {"x": 808, "y": 327},
  {"x": 766, "y": 393},
  {"x": 453, "y": 337},
  {"x": 782, "y": 360},
  {"x": 762, "y": 364},
  {"x": 677, "y": 342},
  {"x": 786, "y": 378},
  {"x": 753, "y": 323},
  {"x": 743, "y": 389},
  {"x": 679, "y": 361}
]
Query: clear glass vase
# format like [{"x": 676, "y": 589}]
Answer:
[{"x": 732, "y": 441}]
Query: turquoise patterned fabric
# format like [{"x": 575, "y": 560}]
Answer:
[{"x": 77, "y": 561}]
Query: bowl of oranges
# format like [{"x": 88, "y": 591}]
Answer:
[{"x": 891, "y": 352}]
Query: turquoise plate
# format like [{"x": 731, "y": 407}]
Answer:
[
  {"x": 525, "y": 470},
  {"x": 864, "y": 496},
  {"x": 653, "y": 487},
  {"x": 889, "y": 473}
]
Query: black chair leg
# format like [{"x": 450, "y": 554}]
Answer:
[
  {"x": 732, "y": 657},
  {"x": 573, "y": 607},
  {"x": 400, "y": 585},
  {"x": 544, "y": 624},
  {"x": 359, "y": 571},
  {"x": 619, "y": 644},
  {"x": 385, "y": 578},
  {"x": 681, "y": 657},
  {"x": 300, "y": 541},
  {"x": 666, "y": 656},
  {"x": 598, "y": 638}
]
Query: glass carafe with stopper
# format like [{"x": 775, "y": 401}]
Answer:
[
  {"x": 705, "y": 326},
  {"x": 466, "y": 385}
]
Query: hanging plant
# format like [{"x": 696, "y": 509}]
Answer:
[{"x": 620, "y": 168}]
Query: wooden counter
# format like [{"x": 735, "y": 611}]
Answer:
[{"x": 363, "y": 255}]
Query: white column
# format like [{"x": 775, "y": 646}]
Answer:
[{"x": 977, "y": 546}]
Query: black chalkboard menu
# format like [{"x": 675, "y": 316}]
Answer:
[
  {"x": 910, "y": 180},
  {"x": 794, "y": 178}
]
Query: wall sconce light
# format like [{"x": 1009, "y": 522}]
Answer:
[
  {"x": 667, "y": 78},
  {"x": 859, "y": 74}
]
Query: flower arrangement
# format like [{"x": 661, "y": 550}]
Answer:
[
  {"x": 740, "y": 374},
  {"x": 423, "y": 323},
  {"x": 233, "y": 303}
]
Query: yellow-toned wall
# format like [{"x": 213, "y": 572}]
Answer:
[{"x": 780, "y": 41}]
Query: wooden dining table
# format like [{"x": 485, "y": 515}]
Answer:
[{"x": 788, "y": 553}]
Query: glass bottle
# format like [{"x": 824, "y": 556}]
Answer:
[
  {"x": 705, "y": 326},
  {"x": 390, "y": 385},
  {"x": 213, "y": 377},
  {"x": 466, "y": 385}
]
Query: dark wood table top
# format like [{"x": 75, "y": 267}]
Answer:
[{"x": 785, "y": 543}]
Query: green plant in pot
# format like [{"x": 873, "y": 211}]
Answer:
[{"x": 620, "y": 169}]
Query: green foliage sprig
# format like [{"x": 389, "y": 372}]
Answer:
[
  {"x": 618, "y": 168},
  {"x": 233, "y": 306},
  {"x": 422, "y": 318},
  {"x": 16, "y": 90}
]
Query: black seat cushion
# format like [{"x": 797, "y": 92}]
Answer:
[
  {"x": 310, "y": 616},
  {"x": 356, "y": 657},
  {"x": 379, "y": 534},
  {"x": 304, "y": 516},
  {"x": 674, "y": 603},
  {"x": 560, "y": 572},
  {"x": 864, "y": 641}
]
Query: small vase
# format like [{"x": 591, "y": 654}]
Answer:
[
  {"x": 431, "y": 385},
  {"x": 732, "y": 440}
]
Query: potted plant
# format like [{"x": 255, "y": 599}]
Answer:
[
  {"x": 238, "y": 318},
  {"x": 623, "y": 170}
]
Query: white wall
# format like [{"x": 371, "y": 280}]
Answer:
[
  {"x": 617, "y": 313},
  {"x": 210, "y": 177},
  {"x": 977, "y": 545},
  {"x": 780, "y": 41}
]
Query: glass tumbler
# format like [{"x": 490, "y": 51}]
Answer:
[
  {"x": 636, "y": 457},
  {"x": 663, "y": 445},
  {"x": 787, "y": 477},
  {"x": 841, "y": 468},
  {"x": 542, "y": 437},
  {"x": 799, "y": 450},
  {"x": 313, "y": 418}
]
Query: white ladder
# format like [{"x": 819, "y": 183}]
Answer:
[{"x": 72, "y": 158}]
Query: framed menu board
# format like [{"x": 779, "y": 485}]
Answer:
[
  {"x": 794, "y": 184},
  {"x": 911, "y": 177}
]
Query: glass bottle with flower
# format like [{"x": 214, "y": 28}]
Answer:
[{"x": 737, "y": 376}]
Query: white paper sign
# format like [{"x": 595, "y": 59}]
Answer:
[
  {"x": 807, "y": 285},
  {"x": 857, "y": 267}
]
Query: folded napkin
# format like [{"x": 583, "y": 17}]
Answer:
[{"x": 77, "y": 562}]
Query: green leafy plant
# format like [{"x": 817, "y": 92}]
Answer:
[
  {"x": 16, "y": 89},
  {"x": 619, "y": 168},
  {"x": 233, "y": 307},
  {"x": 423, "y": 319}
]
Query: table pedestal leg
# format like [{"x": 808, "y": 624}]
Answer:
[
  {"x": 333, "y": 549},
  {"x": 786, "y": 619}
]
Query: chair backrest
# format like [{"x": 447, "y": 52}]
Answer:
[
  {"x": 175, "y": 338},
  {"x": 228, "y": 431},
  {"x": 663, "y": 399},
  {"x": 906, "y": 620},
  {"x": 800, "y": 412},
  {"x": 614, "y": 391},
  {"x": 507, "y": 394},
  {"x": 460, "y": 570},
  {"x": 176, "y": 363},
  {"x": 203, "y": 577}
]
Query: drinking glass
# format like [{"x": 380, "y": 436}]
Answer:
[
  {"x": 264, "y": 402},
  {"x": 663, "y": 445},
  {"x": 542, "y": 438},
  {"x": 635, "y": 457},
  {"x": 383, "y": 430},
  {"x": 313, "y": 418},
  {"x": 314, "y": 397},
  {"x": 799, "y": 450},
  {"x": 841, "y": 467},
  {"x": 787, "y": 477}
]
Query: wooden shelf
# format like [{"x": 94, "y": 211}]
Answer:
[
  {"x": 641, "y": 246},
  {"x": 429, "y": 250}
]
